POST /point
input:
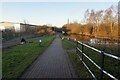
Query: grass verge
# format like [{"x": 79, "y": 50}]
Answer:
[
  {"x": 79, "y": 68},
  {"x": 16, "y": 59}
]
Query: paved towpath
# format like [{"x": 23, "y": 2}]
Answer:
[{"x": 53, "y": 63}]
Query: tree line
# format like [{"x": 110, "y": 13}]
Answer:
[{"x": 100, "y": 23}]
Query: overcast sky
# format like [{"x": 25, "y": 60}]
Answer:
[{"x": 54, "y": 13}]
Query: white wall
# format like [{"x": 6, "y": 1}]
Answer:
[
  {"x": 2, "y": 27},
  {"x": 17, "y": 27}
]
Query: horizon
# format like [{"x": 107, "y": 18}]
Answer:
[{"x": 49, "y": 13}]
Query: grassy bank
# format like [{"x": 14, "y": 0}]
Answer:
[
  {"x": 16, "y": 59},
  {"x": 111, "y": 65},
  {"x": 111, "y": 49},
  {"x": 79, "y": 68}
]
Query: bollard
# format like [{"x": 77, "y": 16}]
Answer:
[{"x": 40, "y": 42}]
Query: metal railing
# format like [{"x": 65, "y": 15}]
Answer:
[
  {"x": 101, "y": 68},
  {"x": 103, "y": 54}
]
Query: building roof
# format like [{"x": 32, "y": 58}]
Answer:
[
  {"x": 12, "y": 24},
  {"x": 7, "y": 23}
]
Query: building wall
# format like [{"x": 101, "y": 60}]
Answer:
[
  {"x": 2, "y": 28},
  {"x": 32, "y": 27},
  {"x": 22, "y": 27},
  {"x": 9, "y": 28},
  {"x": 7, "y": 25},
  {"x": 17, "y": 27}
]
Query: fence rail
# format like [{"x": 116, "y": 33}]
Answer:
[
  {"x": 101, "y": 68},
  {"x": 94, "y": 63},
  {"x": 110, "y": 55}
]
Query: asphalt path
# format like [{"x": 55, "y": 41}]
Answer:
[{"x": 53, "y": 63}]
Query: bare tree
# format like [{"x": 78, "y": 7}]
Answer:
[
  {"x": 114, "y": 9},
  {"x": 98, "y": 18},
  {"x": 92, "y": 20},
  {"x": 86, "y": 16},
  {"x": 26, "y": 26}
]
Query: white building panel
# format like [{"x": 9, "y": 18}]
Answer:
[
  {"x": 2, "y": 27},
  {"x": 17, "y": 27}
]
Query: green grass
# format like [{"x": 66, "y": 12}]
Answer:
[
  {"x": 68, "y": 45},
  {"x": 79, "y": 68},
  {"x": 16, "y": 59},
  {"x": 111, "y": 49},
  {"x": 111, "y": 65}
]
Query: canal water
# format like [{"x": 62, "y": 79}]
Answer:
[{"x": 110, "y": 46}]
